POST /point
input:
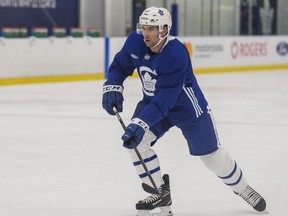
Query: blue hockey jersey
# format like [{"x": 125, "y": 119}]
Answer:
[{"x": 170, "y": 88}]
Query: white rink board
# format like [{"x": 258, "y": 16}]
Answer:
[
  {"x": 51, "y": 56},
  {"x": 236, "y": 51},
  {"x": 34, "y": 57}
]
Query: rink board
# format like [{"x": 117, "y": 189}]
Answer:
[{"x": 35, "y": 60}]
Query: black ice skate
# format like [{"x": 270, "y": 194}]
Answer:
[
  {"x": 253, "y": 198},
  {"x": 162, "y": 201}
]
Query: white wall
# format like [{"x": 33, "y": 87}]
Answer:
[
  {"x": 116, "y": 17},
  {"x": 92, "y": 14},
  {"x": 68, "y": 56},
  {"x": 45, "y": 57}
]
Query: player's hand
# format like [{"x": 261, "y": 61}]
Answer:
[
  {"x": 112, "y": 97},
  {"x": 134, "y": 133}
]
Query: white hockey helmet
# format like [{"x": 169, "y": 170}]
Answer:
[{"x": 155, "y": 16}]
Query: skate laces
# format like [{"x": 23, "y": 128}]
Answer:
[
  {"x": 152, "y": 198},
  {"x": 251, "y": 196}
]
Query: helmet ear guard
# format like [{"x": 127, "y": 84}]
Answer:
[{"x": 155, "y": 17}]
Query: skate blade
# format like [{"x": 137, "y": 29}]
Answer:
[
  {"x": 161, "y": 211},
  {"x": 265, "y": 212}
]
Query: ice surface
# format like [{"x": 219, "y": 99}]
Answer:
[{"x": 61, "y": 154}]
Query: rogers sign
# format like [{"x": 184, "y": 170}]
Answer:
[{"x": 252, "y": 49}]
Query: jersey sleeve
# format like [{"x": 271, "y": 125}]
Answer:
[
  {"x": 122, "y": 65},
  {"x": 167, "y": 90}
]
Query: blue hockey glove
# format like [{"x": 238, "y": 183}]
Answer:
[
  {"x": 112, "y": 96},
  {"x": 134, "y": 133}
]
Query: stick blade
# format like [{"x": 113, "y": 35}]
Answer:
[{"x": 147, "y": 188}]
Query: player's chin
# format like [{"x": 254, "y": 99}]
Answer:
[{"x": 148, "y": 43}]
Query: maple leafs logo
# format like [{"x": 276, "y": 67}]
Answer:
[
  {"x": 149, "y": 83},
  {"x": 161, "y": 12},
  {"x": 149, "y": 79}
]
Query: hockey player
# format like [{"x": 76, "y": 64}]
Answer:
[{"x": 171, "y": 97}]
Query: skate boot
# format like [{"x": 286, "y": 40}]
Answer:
[
  {"x": 253, "y": 198},
  {"x": 160, "y": 202}
]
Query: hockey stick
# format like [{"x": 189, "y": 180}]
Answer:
[{"x": 145, "y": 187}]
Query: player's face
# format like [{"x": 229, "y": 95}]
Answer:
[{"x": 151, "y": 35}]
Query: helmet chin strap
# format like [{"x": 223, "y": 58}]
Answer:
[{"x": 161, "y": 39}]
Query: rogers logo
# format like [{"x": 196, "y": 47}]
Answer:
[{"x": 253, "y": 49}]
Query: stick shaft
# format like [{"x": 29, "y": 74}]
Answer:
[{"x": 136, "y": 151}]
